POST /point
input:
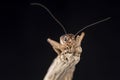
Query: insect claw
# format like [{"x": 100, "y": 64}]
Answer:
[{"x": 48, "y": 40}]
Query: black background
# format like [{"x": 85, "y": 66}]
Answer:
[{"x": 26, "y": 55}]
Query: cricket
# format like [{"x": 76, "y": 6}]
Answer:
[{"x": 68, "y": 51}]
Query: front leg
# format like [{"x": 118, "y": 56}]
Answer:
[
  {"x": 58, "y": 48},
  {"x": 79, "y": 39}
]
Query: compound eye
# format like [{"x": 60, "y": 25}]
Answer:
[{"x": 65, "y": 38}]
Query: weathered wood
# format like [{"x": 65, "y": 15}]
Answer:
[{"x": 61, "y": 68}]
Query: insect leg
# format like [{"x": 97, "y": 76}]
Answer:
[
  {"x": 56, "y": 46},
  {"x": 79, "y": 38}
]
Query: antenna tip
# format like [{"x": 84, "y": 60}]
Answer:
[
  {"x": 36, "y": 4},
  {"x": 108, "y": 18},
  {"x": 31, "y": 3}
]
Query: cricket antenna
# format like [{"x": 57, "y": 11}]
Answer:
[
  {"x": 38, "y": 4},
  {"x": 92, "y": 24}
]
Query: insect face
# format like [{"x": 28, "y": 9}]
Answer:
[{"x": 67, "y": 39}]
